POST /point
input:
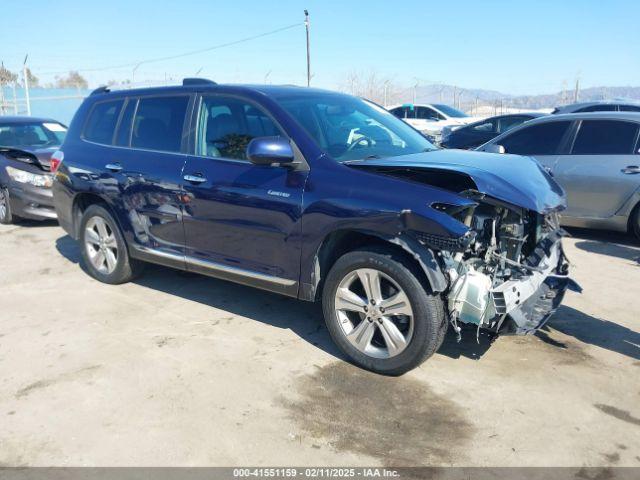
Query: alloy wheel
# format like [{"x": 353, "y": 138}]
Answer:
[
  {"x": 374, "y": 313},
  {"x": 101, "y": 245},
  {"x": 3, "y": 204}
]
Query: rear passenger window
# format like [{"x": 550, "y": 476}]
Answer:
[
  {"x": 158, "y": 123},
  {"x": 227, "y": 125},
  {"x": 541, "y": 139},
  {"x": 601, "y": 137},
  {"x": 102, "y": 120}
]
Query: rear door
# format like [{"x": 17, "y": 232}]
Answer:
[
  {"x": 241, "y": 219},
  {"x": 602, "y": 170},
  {"x": 148, "y": 166}
]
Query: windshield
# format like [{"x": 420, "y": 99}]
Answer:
[
  {"x": 46, "y": 134},
  {"x": 450, "y": 111},
  {"x": 349, "y": 128}
]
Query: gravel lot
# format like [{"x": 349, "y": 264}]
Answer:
[{"x": 177, "y": 369}]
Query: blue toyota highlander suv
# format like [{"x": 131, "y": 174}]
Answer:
[{"x": 315, "y": 195}]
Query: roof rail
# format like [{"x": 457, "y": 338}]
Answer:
[
  {"x": 102, "y": 89},
  {"x": 197, "y": 81}
]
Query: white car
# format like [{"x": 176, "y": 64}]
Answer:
[{"x": 431, "y": 118}]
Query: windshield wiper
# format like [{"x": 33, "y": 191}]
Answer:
[{"x": 372, "y": 157}]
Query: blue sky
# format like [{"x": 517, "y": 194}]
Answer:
[{"x": 511, "y": 46}]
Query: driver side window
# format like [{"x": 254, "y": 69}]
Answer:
[{"x": 226, "y": 125}]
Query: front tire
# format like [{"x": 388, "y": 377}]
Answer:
[
  {"x": 379, "y": 313},
  {"x": 6, "y": 217},
  {"x": 104, "y": 251}
]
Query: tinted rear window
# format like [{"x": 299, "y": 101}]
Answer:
[
  {"x": 159, "y": 122},
  {"x": 541, "y": 139},
  {"x": 598, "y": 108},
  {"x": 629, "y": 108},
  {"x": 601, "y": 137},
  {"x": 102, "y": 122}
]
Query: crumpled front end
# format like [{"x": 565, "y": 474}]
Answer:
[{"x": 508, "y": 274}]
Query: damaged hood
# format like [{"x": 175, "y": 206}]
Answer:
[
  {"x": 513, "y": 179},
  {"x": 34, "y": 155}
]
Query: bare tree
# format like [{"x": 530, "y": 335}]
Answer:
[
  {"x": 7, "y": 76},
  {"x": 34, "y": 82},
  {"x": 369, "y": 85},
  {"x": 72, "y": 80}
]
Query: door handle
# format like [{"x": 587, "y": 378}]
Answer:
[
  {"x": 631, "y": 169},
  {"x": 114, "y": 167},
  {"x": 197, "y": 178}
]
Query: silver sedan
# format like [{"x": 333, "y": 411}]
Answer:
[{"x": 595, "y": 157}]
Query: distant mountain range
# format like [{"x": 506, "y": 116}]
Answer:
[{"x": 467, "y": 96}]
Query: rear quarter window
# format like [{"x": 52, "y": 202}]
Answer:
[{"x": 101, "y": 123}]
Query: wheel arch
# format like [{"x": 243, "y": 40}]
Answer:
[
  {"x": 339, "y": 242},
  {"x": 81, "y": 202}
]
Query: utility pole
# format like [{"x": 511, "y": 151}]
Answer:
[
  {"x": 386, "y": 93},
  {"x": 576, "y": 93},
  {"x": 133, "y": 73},
  {"x": 25, "y": 79},
  {"x": 307, "y": 25},
  {"x": 415, "y": 88},
  {"x": 455, "y": 91}
]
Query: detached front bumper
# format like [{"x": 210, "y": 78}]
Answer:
[{"x": 527, "y": 303}]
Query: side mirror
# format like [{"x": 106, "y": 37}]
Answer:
[
  {"x": 494, "y": 148},
  {"x": 270, "y": 150}
]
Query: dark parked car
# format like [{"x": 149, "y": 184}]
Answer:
[
  {"x": 601, "y": 106},
  {"x": 318, "y": 196},
  {"x": 474, "y": 135},
  {"x": 26, "y": 146}
]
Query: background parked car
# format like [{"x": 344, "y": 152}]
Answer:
[
  {"x": 475, "y": 134},
  {"x": 431, "y": 118},
  {"x": 26, "y": 146},
  {"x": 607, "y": 106},
  {"x": 595, "y": 157}
]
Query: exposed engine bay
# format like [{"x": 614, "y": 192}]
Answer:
[
  {"x": 507, "y": 272},
  {"x": 512, "y": 274}
]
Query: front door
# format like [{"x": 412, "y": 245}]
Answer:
[{"x": 241, "y": 220}]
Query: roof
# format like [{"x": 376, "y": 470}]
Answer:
[
  {"x": 13, "y": 119},
  {"x": 268, "y": 90}
]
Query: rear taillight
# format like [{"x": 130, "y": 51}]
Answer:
[{"x": 56, "y": 160}]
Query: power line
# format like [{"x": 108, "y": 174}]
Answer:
[{"x": 180, "y": 55}]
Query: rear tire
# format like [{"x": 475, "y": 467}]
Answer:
[
  {"x": 104, "y": 251},
  {"x": 634, "y": 227},
  {"x": 6, "y": 217},
  {"x": 419, "y": 316}
]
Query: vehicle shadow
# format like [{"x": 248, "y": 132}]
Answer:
[
  {"x": 592, "y": 331},
  {"x": 25, "y": 222},
  {"x": 303, "y": 318},
  {"x": 613, "y": 244},
  {"x": 472, "y": 344}
]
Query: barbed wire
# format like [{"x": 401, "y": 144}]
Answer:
[{"x": 180, "y": 55}]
